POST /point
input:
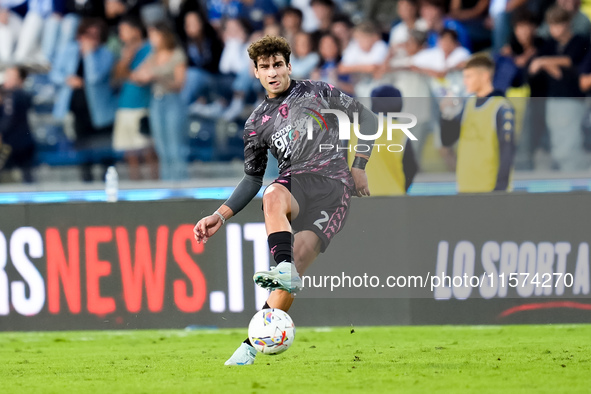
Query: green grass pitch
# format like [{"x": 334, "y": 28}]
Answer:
[{"x": 508, "y": 359}]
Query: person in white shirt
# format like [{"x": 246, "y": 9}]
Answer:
[
  {"x": 443, "y": 64},
  {"x": 10, "y": 27},
  {"x": 408, "y": 10},
  {"x": 447, "y": 56},
  {"x": 416, "y": 43},
  {"x": 365, "y": 52},
  {"x": 364, "y": 58}
]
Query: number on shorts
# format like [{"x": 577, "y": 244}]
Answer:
[{"x": 323, "y": 219}]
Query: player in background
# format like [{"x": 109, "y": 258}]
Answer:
[
  {"x": 485, "y": 128},
  {"x": 314, "y": 187},
  {"x": 390, "y": 173}
]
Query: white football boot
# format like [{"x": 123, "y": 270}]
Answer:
[
  {"x": 284, "y": 277},
  {"x": 244, "y": 355}
]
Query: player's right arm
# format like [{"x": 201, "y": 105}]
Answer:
[{"x": 255, "y": 163}]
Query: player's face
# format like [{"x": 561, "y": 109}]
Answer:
[
  {"x": 474, "y": 79},
  {"x": 273, "y": 73}
]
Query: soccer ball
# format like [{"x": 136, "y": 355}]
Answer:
[{"x": 271, "y": 331}]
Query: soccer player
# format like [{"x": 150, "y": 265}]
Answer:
[
  {"x": 394, "y": 166},
  {"x": 485, "y": 129},
  {"x": 315, "y": 184}
]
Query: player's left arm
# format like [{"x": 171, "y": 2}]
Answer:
[{"x": 506, "y": 136}]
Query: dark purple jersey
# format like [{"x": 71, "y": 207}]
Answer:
[{"x": 283, "y": 124}]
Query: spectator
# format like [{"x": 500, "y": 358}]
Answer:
[
  {"x": 236, "y": 81},
  {"x": 165, "y": 70},
  {"x": 408, "y": 10},
  {"x": 330, "y": 58},
  {"x": 15, "y": 133},
  {"x": 273, "y": 30},
  {"x": 304, "y": 59},
  {"x": 556, "y": 71},
  {"x": 11, "y": 13},
  {"x": 173, "y": 12},
  {"x": 522, "y": 48},
  {"x": 324, "y": 10},
  {"x": 82, "y": 75},
  {"x": 310, "y": 22},
  {"x": 501, "y": 13},
  {"x": 133, "y": 102},
  {"x": 433, "y": 12},
  {"x": 342, "y": 28},
  {"x": 413, "y": 45},
  {"x": 447, "y": 56},
  {"x": 579, "y": 23},
  {"x": 471, "y": 14},
  {"x": 443, "y": 64},
  {"x": 29, "y": 37},
  {"x": 291, "y": 20},
  {"x": 218, "y": 10},
  {"x": 524, "y": 43},
  {"x": 512, "y": 70},
  {"x": 417, "y": 88},
  {"x": 117, "y": 10},
  {"x": 486, "y": 148},
  {"x": 259, "y": 13},
  {"x": 364, "y": 55},
  {"x": 61, "y": 26},
  {"x": 203, "y": 48}
]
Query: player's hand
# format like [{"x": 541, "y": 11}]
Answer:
[
  {"x": 206, "y": 228},
  {"x": 360, "y": 179}
]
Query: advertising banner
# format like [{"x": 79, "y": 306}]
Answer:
[{"x": 469, "y": 259}]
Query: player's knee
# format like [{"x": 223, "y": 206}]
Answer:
[{"x": 274, "y": 200}]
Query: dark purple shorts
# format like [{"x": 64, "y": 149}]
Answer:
[{"x": 323, "y": 202}]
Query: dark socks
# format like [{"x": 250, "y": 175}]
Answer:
[
  {"x": 247, "y": 340},
  {"x": 281, "y": 245}
]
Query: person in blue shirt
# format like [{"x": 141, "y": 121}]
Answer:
[
  {"x": 82, "y": 73},
  {"x": 433, "y": 11},
  {"x": 259, "y": 13},
  {"x": 131, "y": 118}
]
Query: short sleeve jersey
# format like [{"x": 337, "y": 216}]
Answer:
[{"x": 302, "y": 138}]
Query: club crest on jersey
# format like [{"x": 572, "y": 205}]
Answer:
[{"x": 284, "y": 110}]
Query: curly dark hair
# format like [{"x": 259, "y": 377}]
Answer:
[{"x": 269, "y": 46}]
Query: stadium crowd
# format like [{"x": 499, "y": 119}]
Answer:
[{"x": 132, "y": 77}]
